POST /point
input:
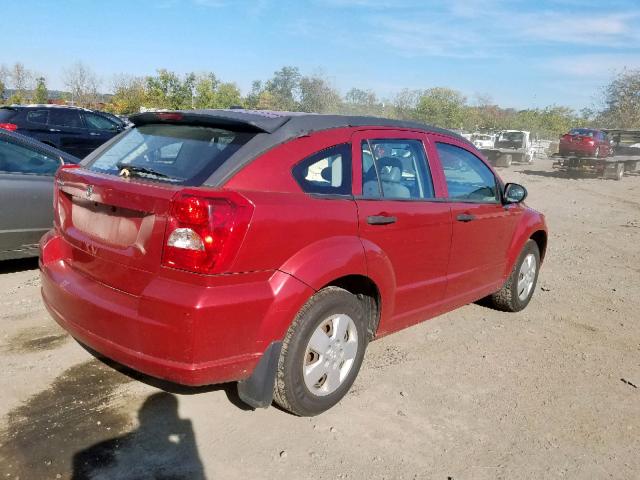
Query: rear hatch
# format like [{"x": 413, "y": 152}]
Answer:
[{"x": 113, "y": 211}]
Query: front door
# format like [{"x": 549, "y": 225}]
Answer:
[
  {"x": 483, "y": 227},
  {"x": 26, "y": 191},
  {"x": 402, "y": 215}
]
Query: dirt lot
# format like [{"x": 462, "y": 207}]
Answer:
[{"x": 549, "y": 392}]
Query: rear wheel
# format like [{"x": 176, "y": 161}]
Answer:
[
  {"x": 321, "y": 353},
  {"x": 517, "y": 291}
]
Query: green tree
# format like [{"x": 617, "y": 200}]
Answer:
[
  {"x": 405, "y": 104},
  {"x": 317, "y": 95},
  {"x": 283, "y": 88},
  {"x": 441, "y": 106},
  {"x": 209, "y": 92},
  {"x": 167, "y": 90},
  {"x": 622, "y": 100},
  {"x": 362, "y": 102},
  {"x": 129, "y": 94},
  {"x": 41, "y": 94}
]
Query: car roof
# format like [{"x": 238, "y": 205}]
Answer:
[
  {"x": 271, "y": 129},
  {"x": 29, "y": 142}
]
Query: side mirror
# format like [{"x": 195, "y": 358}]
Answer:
[{"x": 514, "y": 193}]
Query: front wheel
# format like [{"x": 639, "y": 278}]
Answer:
[
  {"x": 517, "y": 291},
  {"x": 321, "y": 353}
]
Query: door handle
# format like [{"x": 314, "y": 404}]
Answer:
[
  {"x": 380, "y": 220},
  {"x": 54, "y": 130},
  {"x": 94, "y": 134},
  {"x": 465, "y": 217}
]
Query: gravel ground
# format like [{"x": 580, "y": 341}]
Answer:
[{"x": 551, "y": 392}]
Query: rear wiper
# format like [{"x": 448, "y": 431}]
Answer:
[{"x": 127, "y": 170}]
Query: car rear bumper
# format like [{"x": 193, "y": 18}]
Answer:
[
  {"x": 187, "y": 334},
  {"x": 577, "y": 149}
]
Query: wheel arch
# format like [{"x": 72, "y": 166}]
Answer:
[
  {"x": 540, "y": 237},
  {"x": 366, "y": 290}
]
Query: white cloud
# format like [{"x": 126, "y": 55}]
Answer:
[{"x": 592, "y": 65}]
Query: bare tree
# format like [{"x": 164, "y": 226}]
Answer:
[{"x": 82, "y": 83}]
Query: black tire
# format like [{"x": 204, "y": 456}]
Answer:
[
  {"x": 290, "y": 390},
  {"x": 507, "y": 299}
]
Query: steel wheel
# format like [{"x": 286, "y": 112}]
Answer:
[
  {"x": 526, "y": 276},
  {"x": 330, "y": 354}
]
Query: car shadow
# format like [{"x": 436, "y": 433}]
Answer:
[
  {"x": 18, "y": 265},
  {"x": 230, "y": 389},
  {"x": 162, "y": 447}
]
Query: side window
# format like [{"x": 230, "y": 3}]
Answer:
[
  {"x": 328, "y": 171},
  {"x": 18, "y": 159},
  {"x": 393, "y": 168},
  {"x": 97, "y": 122},
  {"x": 38, "y": 116},
  {"x": 65, "y": 118},
  {"x": 468, "y": 178}
]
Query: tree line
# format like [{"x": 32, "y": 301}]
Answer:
[{"x": 288, "y": 89}]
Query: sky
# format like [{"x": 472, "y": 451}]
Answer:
[{"x": 521, "y": 54}]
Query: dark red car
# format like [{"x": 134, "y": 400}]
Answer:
[
  {"x": 586, "y": 142},
  {"x": 269, "y": 248}
]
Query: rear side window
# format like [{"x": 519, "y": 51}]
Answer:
[
  {"x": 468, "y": 178},
  {"x": 18, "y": 159},
  {"x": 326, "y": 172},
  {"x": 178, "y": 154},
  {"x": 393, "y": 168},
  {"x": 6, "y": 114},
  {"x": 38, "y": 116},
  {"x": 65, "y": 118},
  {"x": 97, "y": 122}
]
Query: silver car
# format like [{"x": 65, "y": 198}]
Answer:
[{"x": 27, "y": 168}]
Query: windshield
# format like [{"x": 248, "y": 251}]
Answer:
[
  {"x": 179, "y": 154},
  {"x": 511, "y": 137}
]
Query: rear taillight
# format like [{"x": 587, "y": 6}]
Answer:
[
  {"x": 12, "y": 127},
  {"x": 204, "y": 233},
  {"x": 58, "y": 211}
]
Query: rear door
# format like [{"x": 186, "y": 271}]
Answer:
[
  {"x": 68, "y": 133},
  {"x": 401, "y": 211},
  {"x": 26, "y": 186},
  {"x": 36, "y": 123},
  {"x": 482, "y": 226}
]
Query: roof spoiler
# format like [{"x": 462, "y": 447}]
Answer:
[{"x": 228, "y": 119}]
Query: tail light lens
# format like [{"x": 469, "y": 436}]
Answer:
[
  {"x": 205, "y": 233},
  {"x": 12, "y": 127}
]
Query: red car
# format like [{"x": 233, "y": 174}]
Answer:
[
  {"x": 586, "y": 142},
  {"x": 269, "y": 248}
]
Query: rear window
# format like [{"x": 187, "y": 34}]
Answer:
[
  {"x": 178, "y": 154},
  {"x": 582, "y": 131}
]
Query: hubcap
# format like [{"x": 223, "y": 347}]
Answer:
[
  {"x": 330, "y": 354},
  {"x": 526, "y": 276}
]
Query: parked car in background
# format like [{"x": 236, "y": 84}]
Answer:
[
  {"x": 27, "y": 168},
  {"x": 482, "y": 140},
  {"x": 510, "y": 146},
  {"x": 269, "y": 248},
  {"x": 586, "y": 142},
  {"x": 77, "y": 131}
]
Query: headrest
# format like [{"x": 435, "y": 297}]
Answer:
[
  {"x": 390, "y": 169},
  {"x": 325, "y": 173}
]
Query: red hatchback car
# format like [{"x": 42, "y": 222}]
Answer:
[
  {"x": 586, "y": 142},
  {"x": 269, "y": 248}
]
